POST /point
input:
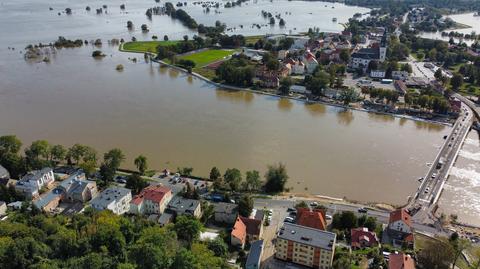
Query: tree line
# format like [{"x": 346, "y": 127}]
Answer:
[{"x": 102, "y": 240}]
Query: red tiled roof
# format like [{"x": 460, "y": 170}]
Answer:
[
  {"x": 154, "y": 193},
  {"x": 313, "y": 219},
  {"x": 400, "y": 214},
  {"x": 240, "y": 230},
  {"x": 361, "y": 233},
  {"x": 400, "y": 261},
  {"x": 253, "y": 225}
]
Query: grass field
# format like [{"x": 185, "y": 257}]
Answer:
[
  {"x": 146, "y": 46},
  {"x": 206, "y": 57}
]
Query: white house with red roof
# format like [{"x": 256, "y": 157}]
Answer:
[
  {"x": 297, "y": 67},
  {"x": 151, "y": 200},
  {"x": 400, "y": 231}
]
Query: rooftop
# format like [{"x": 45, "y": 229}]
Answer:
[
  {"x": 400, "y": 261},
  {"x": 312, "y": 219},
  {"x": 180, "y": 203},
  {"x": 226, "y": 208},
  {"x": 367, "y": 53},
  {"x": 4, "y": 173},
  {"x": 255, "y": 254},
  {"x": 153, "y": 193},
  {"x": 307, "y": 236},
  {"x": 400, "y": 214},
  {"x": 35, "y": 175},
  {"x": 110, "y": 195}
]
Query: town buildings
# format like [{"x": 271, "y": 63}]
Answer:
[
  {"x": 362, "y": 57},
  {"x": 363, "y": 238},
  {"x": 183, "y": 206},
  {"x": 115, "y": 199},
  {"x": 246, "y": 230},
  {"x": 31, "y": 184},
  {"x": 311, "y": 218},
  {"x": 306, "y": 246},
  {"x": 255, "y": 255},
  {"x": 400, "y": 261},
  {"x": 399, "y": 231},
  {"x": 73, "y": 189},
  {"x": 151, "y": 200},
  {"x": 225, "y": 212}
]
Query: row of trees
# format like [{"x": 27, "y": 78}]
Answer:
[
  {"x": 181, "y": 15},
  {"x": 276, "y": 179},
  {"x": 43, "y": 154},
  {"x": 101, "y": 240},
  {"x": 236, "y": 71}
]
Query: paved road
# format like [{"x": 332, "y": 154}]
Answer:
[{"x": 427, "y": 195}]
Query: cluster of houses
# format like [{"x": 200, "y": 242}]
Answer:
[{"x": 306, "y": 242}]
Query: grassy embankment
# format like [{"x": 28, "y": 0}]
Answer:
[{"x": 146, "y": 46}]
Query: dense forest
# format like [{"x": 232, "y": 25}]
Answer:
[{"x": 97, "y": 240}]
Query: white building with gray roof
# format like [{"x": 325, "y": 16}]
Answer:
[
  {"x": 115, "y": 199},
  {"x": 32, "y": 182}
]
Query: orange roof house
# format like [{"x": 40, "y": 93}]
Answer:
[
  {"x": 246, "y": 230},
  {"x": 311, "y": 218},
  {"x": 400, "y": 261}
]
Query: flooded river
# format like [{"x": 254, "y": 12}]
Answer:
[{"x": 176, "y": 120}]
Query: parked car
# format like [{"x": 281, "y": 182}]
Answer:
[
  {"x": 314, "y": 204},
  {"x": 289, "y": 219},
  {"x": 362, "y": 210},
  {"x": 291, "y": 209},
  {"x": 328, "y": 217}
]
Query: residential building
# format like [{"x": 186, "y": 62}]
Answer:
[
  {"x": 362, "y": 57},
  {"x": 246, "y": 230},
  {"x": 311, "y": 218},
  {"x": 225, "y": 212},
  {"x": 267, "y": 78},
  {"x": 165, "y": 219},
  {"x": 115, "y": 199},
  {"x": 183, "y": 206},
  {"x": 77, "y": 189},
  {"x": 50, "y": 201},
  {"x": 455, "y": 104},
  {"x": 400, "y": 261},
  {"x": 31, "y": 184},
  {"x": 363, "y": 238},
  {"x": 151, "y": 200},
  {"x": 399, "y": 230},
  {"x": 306, "y": 246},
  {"x": 255, "y": 255},
  {"x": 310, "y": 62}
]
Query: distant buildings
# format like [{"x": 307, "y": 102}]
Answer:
[
  {"x": 363, "y": 238},
  {"x": 31, "y": 184},
  {"x": 362, "y": 57},
  {"x": 115, "y": 199},
  {"x": 183, "y": 206},
  {"x": 151, "y": 200},
  {"x": 306, "y": 246}
]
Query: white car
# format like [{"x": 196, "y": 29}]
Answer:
[
  {"x": 328, "y": 217},
  {"x": 314, "y": 204}
]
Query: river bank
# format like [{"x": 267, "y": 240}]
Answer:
[{"x": 270, "y": 93}]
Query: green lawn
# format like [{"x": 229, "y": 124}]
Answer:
[
  {"x": 206, "y": 57},
  {"x": 146, "y": 46}
]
